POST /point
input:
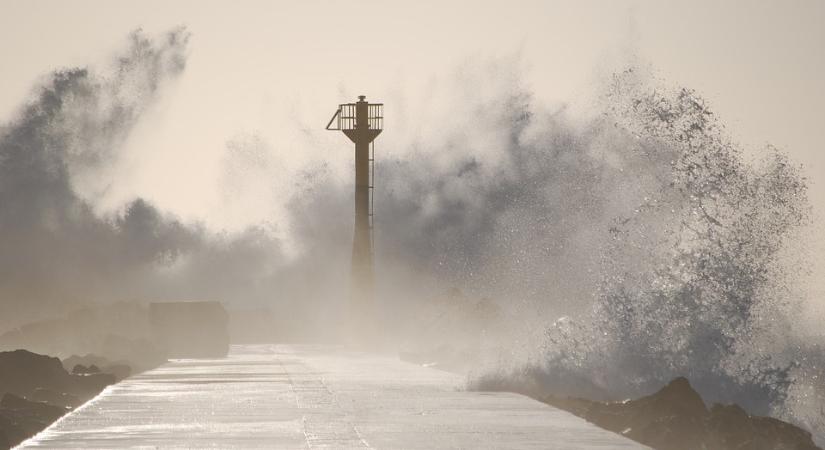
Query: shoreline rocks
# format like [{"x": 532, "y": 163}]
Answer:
[
  {"x": 676, "y": 418},
  {"x": 124, "y": 338},
  {"x": 36, "y": 390},
  {"x": 90, "y": 363},
  {"x": 21, "y": 418}
]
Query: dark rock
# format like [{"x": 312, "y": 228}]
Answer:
[
  {"x": 21, "y": 418},
  {"x": 41, "y": 409},
  {"x": 675, "y": 418},
  {"x": 85, "y": 361},
  {"x": 121, "y": 333},
  {"x": 729, "y": 426},
  {"x": 87, "y": 386},
  {"x": 80, "y": 369},
  {"x": 38, "y": 390},
  {"x": 85, "y": 364},
  {"x": 21, "y": 372},
  {"x": 55, "y": 398}
]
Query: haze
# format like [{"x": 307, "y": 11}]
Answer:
[
  {"x": 572, "y": 199},
  {"x": 277, "y": 70}
]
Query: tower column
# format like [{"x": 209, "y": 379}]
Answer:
[
  {"x": 362, "y": 270},
  {"x": 362, "y": 123}
]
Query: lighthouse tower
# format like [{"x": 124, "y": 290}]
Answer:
[{"x": 362, "y": 122}]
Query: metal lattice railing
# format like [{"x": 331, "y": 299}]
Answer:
[{"x": 344, "y": 118}]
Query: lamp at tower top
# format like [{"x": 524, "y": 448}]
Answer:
[{"x": 359, "y": 115}]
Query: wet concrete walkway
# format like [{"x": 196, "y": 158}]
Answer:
[{"x": 278, "y": 396}]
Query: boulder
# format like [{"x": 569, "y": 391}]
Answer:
[
  {"x": 14, "y": 402},
  {"x": 84, "y": 361},
  {"x": 90, "y": 362},
  {"x": 80, "y": 369},
  {"x": 120, "y": 333},
  {"x": 38, "y": 390},
  {"x": 89, "y": 385},
  {"x": 21, "y": 418},
  {"x": 729, "y": 426},
  {"x": 676, "y": 418},
  {"x": 22, "y": 371},
  {"x": 55, "y": 398},
  {"x": 673, "y": 417}
]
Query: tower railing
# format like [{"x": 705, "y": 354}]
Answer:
[{"x": 344, "y": 118}]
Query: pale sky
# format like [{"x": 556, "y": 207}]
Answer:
[{"x": 273, "y": 68}]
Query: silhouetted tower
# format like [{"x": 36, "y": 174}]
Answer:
[{"x": 362, "y": 122}]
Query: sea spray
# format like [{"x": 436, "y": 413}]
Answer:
[
  {"x": 665, "y": 250},
  {"x": 696, "y": 281}
]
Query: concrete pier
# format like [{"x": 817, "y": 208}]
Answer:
[{"x": 279, "y": 396}]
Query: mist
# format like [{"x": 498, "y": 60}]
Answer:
[{"x": 586, "y": 230}]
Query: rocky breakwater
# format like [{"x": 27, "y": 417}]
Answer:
[
  {"x": 35, "y": 390},
  {"x": 676, "y": 418}
]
